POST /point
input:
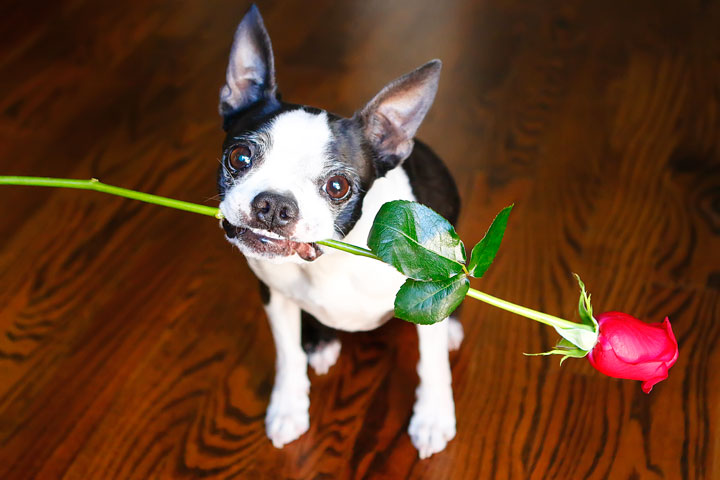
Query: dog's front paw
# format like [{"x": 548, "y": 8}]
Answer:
[
  {"x": 324, "y": 356},
  {"x": 287, "y": 416},
  {"x": 432, "y": 426}
]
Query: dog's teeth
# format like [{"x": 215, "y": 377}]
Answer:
[{"x": 266, "y": 234}]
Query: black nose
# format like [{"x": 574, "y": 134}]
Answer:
[{"x": 274, "y": 211}]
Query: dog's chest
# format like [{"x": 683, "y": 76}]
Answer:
[
  {"x": 341, "y": 290},
  {"x": 344, "y": 292}
]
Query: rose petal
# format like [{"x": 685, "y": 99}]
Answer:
[
  {"x": 635, "y": 341},
  {"x": 607, "y": 362},
  {"x": 660, "y": 375},
  {"x": 629, "y": 348}
]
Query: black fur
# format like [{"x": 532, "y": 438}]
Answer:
[
  {"x": 252, "y": 119},
  {"x": 432, "y": 183},
  {"x": 264, "y": 292},
  {"x": 362, "y": 148},
  {"x": 348, "y": 153},
  {"x": 250, "y": 75},
  {"x": 349, "y": 150},
  {"x": 315, "y": 334}
]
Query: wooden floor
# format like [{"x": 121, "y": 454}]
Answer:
[{"x": 132, "y": 339}]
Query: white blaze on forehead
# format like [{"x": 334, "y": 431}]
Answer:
[
  {"x": 293, "y": 163},
  {"x": 299, "y": 141}
]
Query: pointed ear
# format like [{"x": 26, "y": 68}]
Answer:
[
  {"x": 251, "y": 69},
  {"x": 391, "y": 119}
]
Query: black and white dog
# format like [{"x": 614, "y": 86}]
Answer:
[{"x": 292, "y": 175}]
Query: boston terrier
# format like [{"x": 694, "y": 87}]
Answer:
[{"x": 291, "y": 175}]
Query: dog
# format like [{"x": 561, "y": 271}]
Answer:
[{"x": 291, "y": 175}]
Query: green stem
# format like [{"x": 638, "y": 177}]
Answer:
[
  {"x": 96, "y": 185},
  {"x": 526, "y": 312},
  {"x": 349, "y": 248},
  {"x": 476, "y": 294}
]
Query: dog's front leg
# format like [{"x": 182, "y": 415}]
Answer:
[
  {"x": 433, "y": 422},
  {"x": 287, "y": 416}
]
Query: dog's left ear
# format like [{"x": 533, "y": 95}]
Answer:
[
  {"x": 251, "y": 70},
  {"x": 391, "y": 119}
]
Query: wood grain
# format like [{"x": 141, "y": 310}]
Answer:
[{"x": 132, "y": 340}]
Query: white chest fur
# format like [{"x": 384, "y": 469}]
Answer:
[{"x": 341, "y": 290}]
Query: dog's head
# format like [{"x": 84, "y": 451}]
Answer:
[{"x": 292, "y": 174}]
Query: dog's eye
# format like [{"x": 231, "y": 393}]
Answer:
[
  {"x": 240, "y": 158},
  {"x": 337, "y": 187}
]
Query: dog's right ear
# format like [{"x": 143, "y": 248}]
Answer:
[{"x": 251, "y": 70}]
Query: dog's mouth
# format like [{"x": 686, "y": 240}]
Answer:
[{"x": 270, "y": 244}]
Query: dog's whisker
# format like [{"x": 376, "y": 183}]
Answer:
[{"x": 227, "y": 172}]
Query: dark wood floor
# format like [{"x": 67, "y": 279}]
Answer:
[{"x": 133, "y": 342}]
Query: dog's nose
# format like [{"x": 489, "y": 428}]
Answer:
[{"x": 275, "y": 211}]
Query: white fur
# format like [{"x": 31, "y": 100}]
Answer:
[
  {"x": 456, "y": 334},
  {"x": 433, "y": 422},
  {"x": 287, "y": 416},
  {"x": 341, "y": 290},
  {"x": 324, "y": 356},
  {"x": 292, "y": 163}
]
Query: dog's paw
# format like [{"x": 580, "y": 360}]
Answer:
[
  {"x": 324, "y": 356},
  {"x": 284, "y": 427},
  {"x": 287, "y": 416},
  {"x": 455, "y": 334},
  {"x": 432, "y": 426}
]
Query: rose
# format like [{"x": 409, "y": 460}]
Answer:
[
  {"x": 632, "y": 349},
  {"x": 425, "y": 248}
]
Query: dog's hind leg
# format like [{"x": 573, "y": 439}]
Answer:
[
  {"x": 456, "y": 334},
  {"x": 321, "y": 344}
]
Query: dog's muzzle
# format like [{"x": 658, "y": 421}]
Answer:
[{"x": 282, "y": 247}]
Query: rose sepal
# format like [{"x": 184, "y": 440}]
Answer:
[
  {"x": 577, "y": 342},
  {"x": 582, "y": 339},
  {"x": 585, "y": 307},
  {"x": 565, "y": 348},
  {"x": 579, "y": 337}
]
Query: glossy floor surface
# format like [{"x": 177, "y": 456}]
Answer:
[{"x": 132, "y": 339}]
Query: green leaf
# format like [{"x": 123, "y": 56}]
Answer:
[
  {"x": 430, "y": 302},
  {"x": 584, "y": 307},
  {"x": 484, "y": 252},
  {"x": 417, "y": 241}
]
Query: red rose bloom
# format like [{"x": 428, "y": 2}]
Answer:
[{"x": 632, "y": 349}]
